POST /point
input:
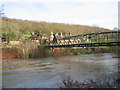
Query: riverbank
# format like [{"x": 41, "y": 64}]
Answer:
[{"x": 41, "y": 52}]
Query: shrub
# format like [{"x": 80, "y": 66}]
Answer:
[
  {"x": 26, "y": 49},
  {"x": 105, "y": 81}
]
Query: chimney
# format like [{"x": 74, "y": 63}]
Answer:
[
  {"x": 61, "y": 34},
  {"x": 51, "y": 36}
]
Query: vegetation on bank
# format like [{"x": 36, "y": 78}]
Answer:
[
  {"x": 30, "y": 49},
  {"x": 103, "y": 81},
  {"x": 111, "y": 80}
]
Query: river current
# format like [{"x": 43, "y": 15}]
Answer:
[{"x": 47, "y": 72}]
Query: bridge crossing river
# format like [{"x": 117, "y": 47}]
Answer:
[{"x": 88, "y": 40}]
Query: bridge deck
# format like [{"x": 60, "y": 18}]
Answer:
[{"x": 85, "y": 45}]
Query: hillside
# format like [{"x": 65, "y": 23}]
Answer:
[{"x": 14, "y": 28}]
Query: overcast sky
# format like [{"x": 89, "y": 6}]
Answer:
[{"x": 103, "y": 13}]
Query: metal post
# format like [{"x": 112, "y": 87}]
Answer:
[{"x": 107, "y": 38}]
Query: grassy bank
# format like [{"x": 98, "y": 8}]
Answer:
[
  {"x": 82, "y": 51},
  {"x": 30, "y": 49},
  {"x": 27, "y": 49}
]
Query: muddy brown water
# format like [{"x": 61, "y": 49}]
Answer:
[{"x": 47, "y": 72}]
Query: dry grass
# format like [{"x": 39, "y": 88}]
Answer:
[{"x": 104, "y": 81}]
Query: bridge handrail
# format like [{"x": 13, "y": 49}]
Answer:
[{"x": 89, "y": 34}]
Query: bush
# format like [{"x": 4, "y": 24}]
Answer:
[
  {"x": 27, "y": 49},
  {"x": 105, "y": 81}
]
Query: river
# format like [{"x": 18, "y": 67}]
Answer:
[{"x": 47, "y": 72}]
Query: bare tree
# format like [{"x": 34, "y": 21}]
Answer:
[
  {"x": 2, "y": 14},
  {"x": 95, "y": 25},
  {"x": 115, "y": 28}
]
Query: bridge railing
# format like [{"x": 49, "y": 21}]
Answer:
[
  {"x": 102, "y": 37},
  {"x": 89, "y": 40}
]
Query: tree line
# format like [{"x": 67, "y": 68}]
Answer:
[{"x": 13, "y": 29}]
